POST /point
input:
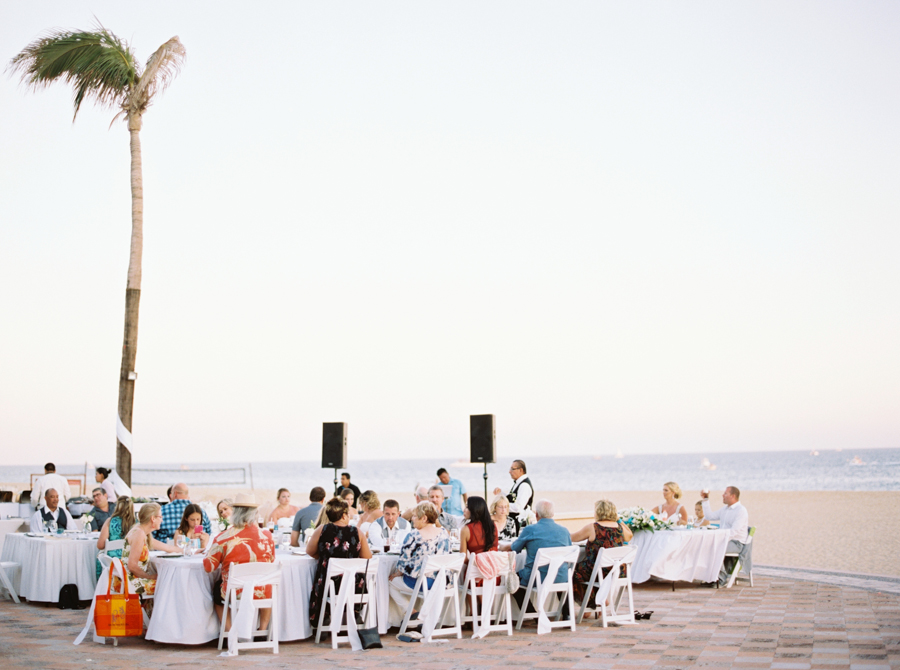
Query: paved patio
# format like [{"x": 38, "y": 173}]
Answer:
[{"x": 783, "y": 623}]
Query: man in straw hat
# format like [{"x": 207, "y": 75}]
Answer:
[{"x": 243, "y": 542}]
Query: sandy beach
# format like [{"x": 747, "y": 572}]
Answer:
[{"x": 799, "y": 529}]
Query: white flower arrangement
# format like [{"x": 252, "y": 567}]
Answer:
[
  {"x": 527, "y": 518},
  {"x": 637, "y": 518},
  {"x": 86, "y": 521}
]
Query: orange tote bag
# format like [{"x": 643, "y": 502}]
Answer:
[{"x": 118, "y": 614}]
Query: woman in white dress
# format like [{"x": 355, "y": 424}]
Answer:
[{"x": 671, "y": 507}]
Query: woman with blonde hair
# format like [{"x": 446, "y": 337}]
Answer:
[
  {"x": 369, "y": 507},
  {"x": 136, "y": 555},
  {"x": 506, "y": 526},
  {"x": 671, "y": 508},
  {"x": 284, "y": 510},
  {"x": 605, "y": 532}
]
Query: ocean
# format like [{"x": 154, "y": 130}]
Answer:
[{"x": 857, "y": 470}]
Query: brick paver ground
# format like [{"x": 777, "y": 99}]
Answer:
[{"x": 781, "y": 623}]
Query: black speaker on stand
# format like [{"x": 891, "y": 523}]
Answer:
[
  {"x": 483, "y": 443},
  {"x": 334, "y": 447}
]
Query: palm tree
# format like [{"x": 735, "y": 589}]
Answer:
[{"x": 102, "y": 67}]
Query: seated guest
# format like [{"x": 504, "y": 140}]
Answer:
[
  {"x": 345, "y": 484},
  {"x": 698, "y": 512},
  {"x": 671, "y": 507},
  {"x": 480, "y": 532},
  {"x": 421, "y": 494},
  {"x": 335, "y": 539},
  {"x": 191, "y": 526},
  {"x": 224, "y": 509},
  {"x": 101, "y": 510},
  {"x": 735, "y": 518},
  {"x": 389, "y": 522},
  {"x": 244, "y": 542},
  {"x": 136, "y": 555},
  {"x": 348, "y": 496},
  {"x": 445, "y": 519},
  {"x": 369, "y": 510},
  {"x": 172, "y": 513},
  {"x": 51, "y": 511},
  {"x": 102, "y": 478},
  {"x": 604, "y": 533},
  {"x": 116, "y": 528},
  {"x": 284, "y": 510},
  {"x": 425, "y": 540},
  {"x": 306, "y": 517},
  {"x": 545, "y": 533},
  {"x": 506, "y": 525}
]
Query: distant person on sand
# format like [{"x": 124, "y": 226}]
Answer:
[
  {"x": 50, "y": 480},
  {"x": 52, "y": 511},
  {"x": 734, "y": 517},
  {"x": 345, "y": 484},
  {"x": 455, "y": 502},
  {"x": 306, "y": 517},
  {"x": 172, "y": 513},
  {"x": 521, "y": 495}
]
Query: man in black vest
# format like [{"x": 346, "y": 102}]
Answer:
[
  {"x": 521, "y": 495},
  {"x": 51, "y": 511}
]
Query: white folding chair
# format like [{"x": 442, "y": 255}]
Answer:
[
  {"x": 450, "y": 566},
  {"x": 112, "y": 545},
  {"x": 498, "y": 607},
  {"x": 612, "y": 587},
  {"x": 343, "y": 602},
  {"x": 540, "y": 589},
  {"x": 741, "y": 559},
  {"x": 6, "y": 581},
  {"x": 240, "y": 575}
]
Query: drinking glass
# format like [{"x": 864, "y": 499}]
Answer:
[
  {"x": 690, "y": 523},
  {"x": 286, "y": 541},
  {"x": 181, "y": 542},
  {"x": 386, "y": 539},
  {"x": 454, "y": 537},
  {"x": 395, "y": 539},
  {"x": 54, "y": 527}
]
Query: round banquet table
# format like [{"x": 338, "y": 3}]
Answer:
[
  {"x": 49, "y": 563},
  {"x": 678, "y": 555},
  {"x": 183, "y": 610}
]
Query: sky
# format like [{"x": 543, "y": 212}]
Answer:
[{"x": 647, "y": 227}]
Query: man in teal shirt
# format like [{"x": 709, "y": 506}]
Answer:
[{"x": 455, "y": 502}]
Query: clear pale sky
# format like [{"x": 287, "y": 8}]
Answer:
[{"x": 641, "y": 226}]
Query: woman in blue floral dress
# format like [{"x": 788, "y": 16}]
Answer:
[
  {"x": 116, "y": 528},
  {"x": 335, "y": 539}
]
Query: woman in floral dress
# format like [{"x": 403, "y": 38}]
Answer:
[
  {"x": 243, "y": 542},
  {"x": 604, "y": 533}
]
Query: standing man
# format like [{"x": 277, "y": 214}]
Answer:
[
  {"x": 101, "y": 510},
  {"x": 172, "y": 513},
  {"x": 521, "y": 495},
  {"x": 51, "y": 511},
  {"x": 50, "y": 480},
  {"x": 307, "y": 516},
  {"x": 345, "y": 484},
  {"x": 735, "y": 518},
  {"x": 455, "y": 502}
]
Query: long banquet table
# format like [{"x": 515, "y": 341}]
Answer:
[
  {"x": 48, "y": 563},
  {"x": 679, "y": 555},
  {"x": 10, "y": 526}
]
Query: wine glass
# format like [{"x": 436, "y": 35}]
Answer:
[
  {"x": 180, "y": 542},
  {"x": 53, "y": 527},
  {"x": 286, "y": 541},
  {"x": 454, "y": 537}
]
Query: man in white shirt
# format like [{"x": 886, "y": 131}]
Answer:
[
  {"x": 733, "y": 517},
  {"x": 51, "y": 511},
  {"x": 382, "y": 527},
  {"x": 50, "y": 480},
  {"x": 521, "y": 494}
]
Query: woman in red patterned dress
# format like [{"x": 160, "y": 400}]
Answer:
[
  {"x": 604, "y": 533},
  {"x": 243, "y": 542}
]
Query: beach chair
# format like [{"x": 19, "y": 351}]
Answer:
[
  {"x": 497, "y": 606},
  {"x": 241, "y": 575},
  {"x": 434, "y": 607},
  {"x": 343, "y": 602},
  {"x": 612, "y": 587},
  {"x": 5, "y": 579},
  {"x": 743, "y": 561},
  {"x": 539, "y": 589}
]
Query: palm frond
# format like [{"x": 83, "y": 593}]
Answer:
[
  {"x": 162, "y": 67},
  {"x": 98, "y": 64}
]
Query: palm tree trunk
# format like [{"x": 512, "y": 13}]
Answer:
[{"x": 132, "y": 305}]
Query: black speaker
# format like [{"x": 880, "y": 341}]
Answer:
[
  {"x": 483, "y": 439},
  {"x": 334, "y": 445}
]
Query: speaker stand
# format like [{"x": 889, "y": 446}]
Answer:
[
  {"x": 335, "y": 482},
  {"x": 485, "y": 486}
]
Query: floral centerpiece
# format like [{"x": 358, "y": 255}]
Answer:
[
  {"x": 637, "y": 518},
  {"x": 86, "y": 521},
  {"x": 527, "y": 518}
]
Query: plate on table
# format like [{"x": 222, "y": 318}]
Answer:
[{"x": 297, "y": 551}]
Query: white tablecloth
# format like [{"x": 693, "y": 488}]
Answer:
[
  {"x": 678, "y": 555},
  {"x": 49, "y": 564},
  {"x": 10, "y": 526},
  {"x": 183, "y": 610}
]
